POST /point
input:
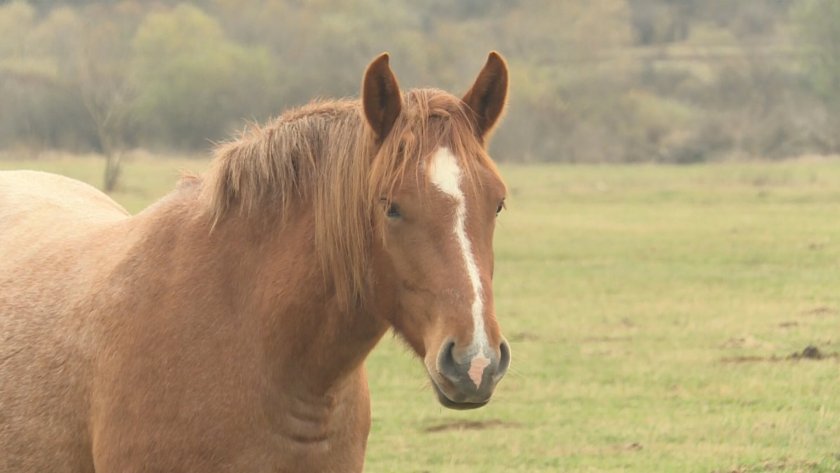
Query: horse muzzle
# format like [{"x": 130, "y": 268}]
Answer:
[{"x": 466, "y": 380}]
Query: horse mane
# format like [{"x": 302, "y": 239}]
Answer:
[{"x": 323, "y": 154}]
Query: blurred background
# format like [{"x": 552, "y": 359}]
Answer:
[
  {"x": 674, "y": 81},
  {"x": 668, "y": 265}
]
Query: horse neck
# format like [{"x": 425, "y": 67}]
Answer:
[
  {"x": 313, "y": 338},
  {"x": 269, "y": 275}
]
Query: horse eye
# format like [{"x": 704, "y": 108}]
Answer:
[
  {"x": 393, "y": 211},
  {"x": 500, "y": 207}
]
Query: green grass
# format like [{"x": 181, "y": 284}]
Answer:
[{"x": 650, "y": 310}]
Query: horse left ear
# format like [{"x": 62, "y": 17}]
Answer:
[
  {"x": 381, "y": 96},
  {"x": 486, "y": 98}
]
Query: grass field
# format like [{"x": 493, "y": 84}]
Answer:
[{"x": 652, "y": 312}]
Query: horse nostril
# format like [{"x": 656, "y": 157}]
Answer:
[
  {"x": 446, "y": 362},
  {"x": 504, "y": 360}
]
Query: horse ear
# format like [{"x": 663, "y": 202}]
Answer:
[
  {"x": 486, "y": 98},
  {"x": 381, "y": 96}
]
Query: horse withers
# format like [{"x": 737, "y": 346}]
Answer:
[{"x": 225, "y": 327}]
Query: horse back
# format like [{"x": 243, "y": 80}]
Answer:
[{"x": 43, "y": 197}]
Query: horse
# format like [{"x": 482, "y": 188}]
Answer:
[{"x": 225, "y": 327}]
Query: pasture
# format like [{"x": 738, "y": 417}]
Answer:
[{"x": 657, "y": 318}]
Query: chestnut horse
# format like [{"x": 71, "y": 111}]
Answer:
[{"x": 225, "y": 327}]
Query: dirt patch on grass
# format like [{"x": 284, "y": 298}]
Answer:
[
  {"x": 633, "y": 447},
  {"x": 746, "y": 341},
  {"x": 808, "y": 353},
  {"x": 819, "y": 311},
  {"x": 812, "y": 353},
  {"x": 523, "y": 337},
  {"x": 773, "y": 465},
  {"x": 607, "y": 338},
  {"x": 750, "y": 359},
  {"x": 470, "y": 425}
]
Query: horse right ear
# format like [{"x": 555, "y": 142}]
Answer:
[
  {"x": 486, "y": 98},
  {"x": 381, "y": 96}
]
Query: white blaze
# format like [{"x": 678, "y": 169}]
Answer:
[{"x": 445, "y": 174}]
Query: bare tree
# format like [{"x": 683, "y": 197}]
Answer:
[
  {"x": 103, "y": 80},
  {"x": 87, "y": 53},
  {"x": 106, "y": 95}
]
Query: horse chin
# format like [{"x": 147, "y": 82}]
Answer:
[{"x": 458, "y": 406}]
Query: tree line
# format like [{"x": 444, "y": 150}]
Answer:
[{"x": 592, "y": 81}]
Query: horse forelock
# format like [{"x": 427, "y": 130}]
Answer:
[{"x": 323, "y": 158}]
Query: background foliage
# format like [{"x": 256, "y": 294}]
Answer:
[
  {"x": 593, "y": 81},
  {"x": 659, "y": 315}
]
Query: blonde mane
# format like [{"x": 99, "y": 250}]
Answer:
[{"x": 323, "y": 156}]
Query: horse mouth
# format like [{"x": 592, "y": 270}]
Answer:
[{"x": 448, "y": 403}]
